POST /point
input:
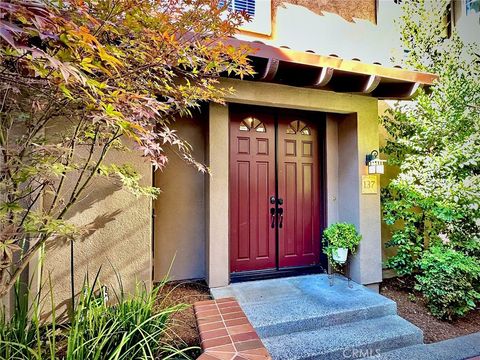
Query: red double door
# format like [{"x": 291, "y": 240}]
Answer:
[{"x": 275, "y": 194}]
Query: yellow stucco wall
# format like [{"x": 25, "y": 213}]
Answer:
[
  {"x": 118, "y": 238},
  {"x": 179, "y": 235}
]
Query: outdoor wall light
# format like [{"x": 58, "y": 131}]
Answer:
[{"x": 375, "y": 165}]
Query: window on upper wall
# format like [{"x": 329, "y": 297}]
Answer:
[
  {"x": 260, "y": 12},
  {"x": 472, "y": 6}
]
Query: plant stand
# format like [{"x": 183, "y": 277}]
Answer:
[{"x": 346, "y": 266}]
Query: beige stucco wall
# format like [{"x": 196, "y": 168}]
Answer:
[
  {"x": 179, "y": 222},
  {"x": 118, "y": 237},
  {"x": 357, "y": 135},
  {"x": 390, "y": 173},
  {"x": 218, "y": 269},
  {"x": 331, "y": 166}
]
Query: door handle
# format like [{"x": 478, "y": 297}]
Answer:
[
  {"x": 280, "y": 214},
  {"x": 272, "y": 216}
]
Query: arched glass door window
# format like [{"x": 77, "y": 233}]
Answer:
[
  {"x": 253, "y": 124},
  {"x": 298, "y": 127}
]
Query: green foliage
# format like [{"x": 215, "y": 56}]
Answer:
[
  {"x": 450, "y": 282},
  {"x": 435, "y": 141},
  {"x": 340, "y": 235},
  {"x": 19, "y": 334},
  {"x": 135, "y": 327},
  {"x": 129, "y": 179},
  {"x": 432, "y": 205}
]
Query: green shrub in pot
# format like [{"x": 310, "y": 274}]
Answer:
[{"x": 338, "y": 238}]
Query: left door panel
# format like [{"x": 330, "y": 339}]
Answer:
[{"x": 252, "y": 182}]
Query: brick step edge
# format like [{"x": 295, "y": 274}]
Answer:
[{"x": 225, "y": 330}]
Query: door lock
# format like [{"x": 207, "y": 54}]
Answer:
[{"x": 274, "y": 200}]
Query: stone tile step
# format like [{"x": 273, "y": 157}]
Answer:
[
  {"x": 352, "y": 340},
  {"x": 283, "y": 306},
  {"x": 460, "y": 348}
]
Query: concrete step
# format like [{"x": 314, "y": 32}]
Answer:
[
  {"x": 351, "y": 340},
  {"x": 284, "y": 306},
  {"x": 289, "y": 316},
  {"x": 460, "y": 348}
]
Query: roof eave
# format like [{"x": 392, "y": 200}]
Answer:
[{"x": 306, "y": 69}]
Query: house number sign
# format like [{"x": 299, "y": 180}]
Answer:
[{"x": 369, "y": 184}]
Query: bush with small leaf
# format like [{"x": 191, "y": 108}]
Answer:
[{"x": 449, "y": 281}]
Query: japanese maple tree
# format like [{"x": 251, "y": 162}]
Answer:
[{"x": 80, "y": 78}]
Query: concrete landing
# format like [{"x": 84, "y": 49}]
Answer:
[
  {"x": 286, "y": 305},
  {"x": 306, "y": 318}
]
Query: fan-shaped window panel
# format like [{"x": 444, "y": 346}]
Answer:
[
  {"x": 297, "y": 126},
  {"x": 253, "y": 124}
]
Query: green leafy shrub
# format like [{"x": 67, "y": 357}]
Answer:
[
  {"x": 432, "y": 205},
  {"x": 435, "y": 142},
  {"x": 340, "y": 235},
  {"x": 450, "y": 282}
]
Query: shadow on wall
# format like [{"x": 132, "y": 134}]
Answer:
[
  {"x": 99, "y": 223},
  {"x": 99, "y": 242},
  {"x": 115, "y": 237}
]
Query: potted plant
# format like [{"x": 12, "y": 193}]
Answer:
[{"x": 338, "y": 240}]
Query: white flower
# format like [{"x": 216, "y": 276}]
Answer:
[{"x": 444, "y": 238}]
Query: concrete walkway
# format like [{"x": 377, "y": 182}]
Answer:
[{"x": 306, "y": 318}]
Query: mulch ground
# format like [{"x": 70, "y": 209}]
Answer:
[
  {"x": 411, "y": 306},
  {"x": 184, "y": 331}
]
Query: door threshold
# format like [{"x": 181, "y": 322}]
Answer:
[{"x": 275, "y": 273}]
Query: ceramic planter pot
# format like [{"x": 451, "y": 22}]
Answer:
[{"x": 340, "y": 255}]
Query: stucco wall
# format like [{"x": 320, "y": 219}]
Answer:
[
  {"x": 331, "y": 164},
  {"x": 390, "y": 173},
  {"x": 363, "y": 29},
  {"x": 118, "y": 236},
  {"x": 218, "y": 269},
  {"x": 468, "y": 26},
  {"x": 179, "y": 225}
]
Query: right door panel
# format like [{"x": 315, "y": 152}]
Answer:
[{"x": 299, "y": 187}]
